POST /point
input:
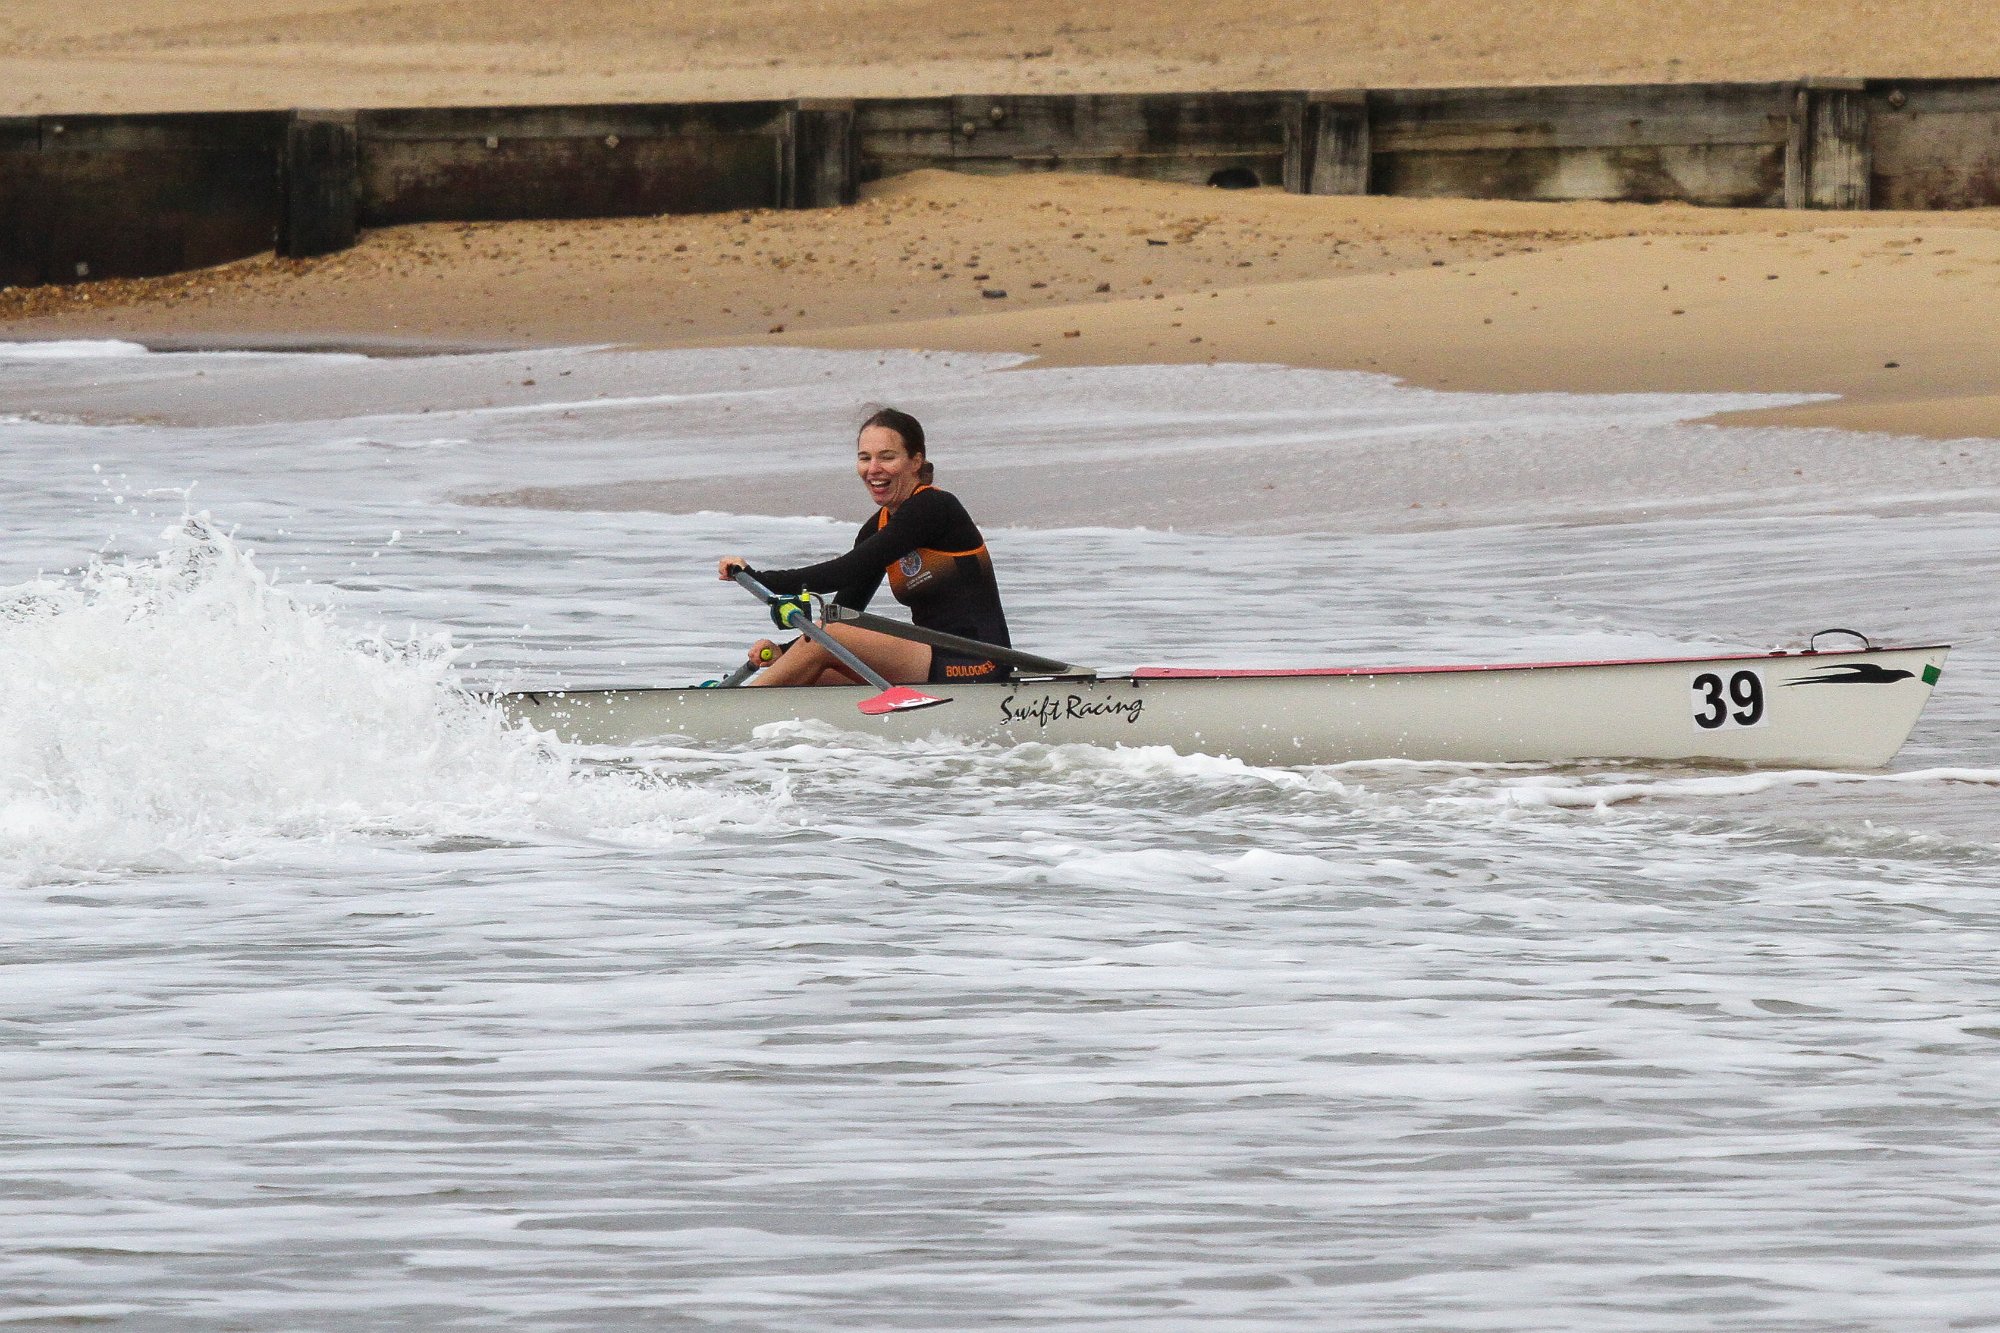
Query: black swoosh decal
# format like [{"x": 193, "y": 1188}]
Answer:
[{"x": 1853, "y": 673}]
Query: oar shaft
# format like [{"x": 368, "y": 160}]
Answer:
[{"x": 956, "y": 643}]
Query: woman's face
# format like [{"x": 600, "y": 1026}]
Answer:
[{"x": 885, "y": 466}]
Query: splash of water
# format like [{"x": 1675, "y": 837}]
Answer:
[{"x": 186, "y": 708}]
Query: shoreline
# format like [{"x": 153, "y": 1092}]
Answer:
[
  {"x": 1889, "y": 311},
  {"x": 1224, "y": 449}
]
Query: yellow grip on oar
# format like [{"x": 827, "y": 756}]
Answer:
[
  {"x": 767, "y": 654},
  {"x": 786, "y": 610}
]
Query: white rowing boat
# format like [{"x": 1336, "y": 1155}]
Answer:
[{"x": 1819, "y": 709}]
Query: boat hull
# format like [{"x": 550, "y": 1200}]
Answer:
[{"x": 1844, "y": 710}]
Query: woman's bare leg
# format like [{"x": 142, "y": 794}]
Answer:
[{"x": 805, "y": 662}]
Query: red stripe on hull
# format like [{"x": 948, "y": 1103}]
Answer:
[{"x": 1228, "y": 673}]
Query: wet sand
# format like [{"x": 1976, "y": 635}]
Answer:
[{"x": 1888, "y": 311}]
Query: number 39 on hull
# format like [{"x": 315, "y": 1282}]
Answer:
[{"x": 1817, "y": 709}]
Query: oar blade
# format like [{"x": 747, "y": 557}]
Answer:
[{"x": 898, "y": 699}]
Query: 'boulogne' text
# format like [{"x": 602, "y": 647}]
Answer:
[{"x": 1043, "y": 709}]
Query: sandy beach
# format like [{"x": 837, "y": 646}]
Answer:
[
  {"x": 164, "y": 55},
  {"x": 1887, "y": 311}
]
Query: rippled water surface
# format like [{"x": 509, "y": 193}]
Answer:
[{"x": 327, "y": 1002}]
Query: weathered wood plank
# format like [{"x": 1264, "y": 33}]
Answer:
[
  {"x": 1736, "y": 176},
  {"x": 135, "y": 196},
  {"x": 464, "y": 180},
  {"x": 246, "y": 132},
  {"x": 1462, "y": 119},
  {"x": 492, "y": 163},
  {"x": 895, "y": 135},
  {"x": 1934, "y": 144},
  {"x": 136, "y": 214},
  {"x": 1035, "y": 126},
  {"x": 1936, "y": 96},
  {"x": 999, "y": 128},
  {"x": 1181, "y": 168},
  {"x": 627, "y": 121}
]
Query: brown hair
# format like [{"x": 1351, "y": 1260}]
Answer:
[{"x": 910, "y": 431}]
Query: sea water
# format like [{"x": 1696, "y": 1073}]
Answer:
[{"x": 329, "y": 1001}]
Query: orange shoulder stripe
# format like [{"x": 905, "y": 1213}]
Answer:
[{"x": 882, "y": 515}]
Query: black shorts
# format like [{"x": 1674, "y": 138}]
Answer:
[{"x": 958, "y": 669}]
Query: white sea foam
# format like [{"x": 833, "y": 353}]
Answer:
[
  {"x": 1592, "y": 791},
  {"x": 76, "y": 349},
  {"x": 373, "y": 1013},
  {"x": 164, "y": 711}
]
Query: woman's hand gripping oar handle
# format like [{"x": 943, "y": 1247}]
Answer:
[
  {"x": 744, "y": 672},
  {"x": 750, "y": 667},
  {"x": 789, "y": 614}
]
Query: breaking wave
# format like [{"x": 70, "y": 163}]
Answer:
[{"x": 186, "y": 708}]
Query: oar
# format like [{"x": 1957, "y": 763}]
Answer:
[
  {"x": 892, "y": 699},
  {"x": 1041, "y": 666}
]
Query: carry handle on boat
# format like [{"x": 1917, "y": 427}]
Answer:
[
  {"x": 1812, "y": 644},
  {"x": 892, "y": 699}
]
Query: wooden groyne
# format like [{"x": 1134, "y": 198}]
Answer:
[{"x": 85, "y": 197}]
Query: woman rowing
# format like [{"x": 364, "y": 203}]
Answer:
[{"x": 922, "y": 539}]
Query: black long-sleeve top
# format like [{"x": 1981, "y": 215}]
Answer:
[{"x": 935, "y": 560}]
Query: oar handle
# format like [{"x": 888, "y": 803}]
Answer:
[
  {"x": 748, "y": 582},
  {"x": 750, "y": 667}
]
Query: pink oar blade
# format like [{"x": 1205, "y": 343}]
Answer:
[{"x": 898, "y": 699}]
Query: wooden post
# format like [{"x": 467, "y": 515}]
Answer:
[
  {"x": 1841, "y": 158},
  {"x": 1299, "y": 148},
  {"x": 321, "y": 184},
  {"x": 1327, "y": 143},
  {"x": 1798, "y": 148},
  {"x": 1827, "y": 157},
  {"x": 820, "y": 161},
  {"x": 22, "y": 227}
]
